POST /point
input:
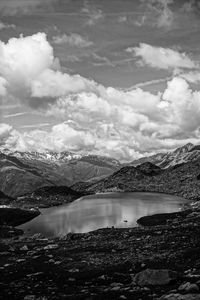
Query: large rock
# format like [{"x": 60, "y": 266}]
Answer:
[
  {"x": 189, "y": 287},
  {"x": 154, "y": 277}
]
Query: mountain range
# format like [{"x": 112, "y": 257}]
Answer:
[
  {"x": 181, "y": 180},
  {"x": 184, "y": 154},
  {"x": 24, "y": 172}
]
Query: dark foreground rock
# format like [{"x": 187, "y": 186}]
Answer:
[
  {"x": 154, "y": 277},
  {"x": 163, "y": 219},
  {"x": 9, "y": 232},
  {"x": 105, "y": 264},
  {"x": 16, "y": 216}
]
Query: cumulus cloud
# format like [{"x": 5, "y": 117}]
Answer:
[
  {"x": 192, "y": 77},
  {"x": 73, "y": 39},
  {"x": 5, "y": 130},
  {"x": 61, "y": 137},
  {"x": 28, "y": 70},
  {"x": 162, "y": 58},
  {"x": 55, "y": 83},
  {"x": 23, "y": 59},
  {"x": 90, "y": 116}
]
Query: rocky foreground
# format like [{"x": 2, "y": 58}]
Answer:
[{"x": 151, "y": 262}]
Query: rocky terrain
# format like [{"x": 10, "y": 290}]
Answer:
[
  {"x": 182, "y": 180},
  {"x": 157, "y": 262},
  {"x": 160, "y": 259},
  {"x": 43, "y": 197},
  {"x": 47, "y": 196},
  {"x": 22, "y": 172},
  {"x": 184, "y": 154}
]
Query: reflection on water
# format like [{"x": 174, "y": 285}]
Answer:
[{"x": 101, "y": 210}]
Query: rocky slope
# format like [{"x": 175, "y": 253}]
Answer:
[
  {"x": 46, "y": 197},
  {"x": 21, "y": 172},
  {"x": 187, "y": 153},
  {"x": 182, "y": 180},
  {"x": 159, "y": 262}
]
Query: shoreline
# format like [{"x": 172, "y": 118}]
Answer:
[
  {"x": 102, "y": 264},
  {"x": 182, "y": 207}
]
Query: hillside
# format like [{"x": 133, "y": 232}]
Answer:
[
  {"x": 47, "y": 196},
  {"x": 184, "y": 154},
  {"x": 22, "y": 172},
  {"x": 182, "y": 180}
]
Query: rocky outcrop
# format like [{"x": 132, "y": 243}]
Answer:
[
  {"x": 149, "y": 169},
  {"x": 154, "y": 277}
]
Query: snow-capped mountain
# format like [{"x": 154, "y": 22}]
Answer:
[
  {"x": 23, "y": 172},
  {"x": 43, "y": 156},
  {"x": 184, "y": 154}
]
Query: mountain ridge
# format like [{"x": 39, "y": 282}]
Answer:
[
  {"x": 181, "y": 180},
  {"x": 21, "y": 173},
  {"x": 184, "y": 154}
]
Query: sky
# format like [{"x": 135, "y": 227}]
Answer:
[{"x": 118, "y": 78}]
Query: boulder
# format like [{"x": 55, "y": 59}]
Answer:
[
  {"x": 154, "y": 277},
  {"x": 188, "y": 287}
]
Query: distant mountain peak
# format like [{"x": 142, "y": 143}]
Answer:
[
  {"x": 184, "y": 149},
  {"x": 183, "y": 154}
]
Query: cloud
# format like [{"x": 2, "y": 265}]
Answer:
[
  {"x": 14, "y": 115},
  {"x": 23, "y": 59},
  {"x": 24, "y": 7},
  {"x": 90, "y": 116},
  {"x": 39, "y": 125},
  {"x": 157, "y": 14},
  {"x": 3, "y": 84},
  {"x": 73, "y": 39},
  {"x": 55, "y": 83},
  {"x": 94, "y": 14},
  {"x": 61, "y": 137},
  {"x": 6, "y": 26},
  {"x": 28, "y": 69},
  {"x": 5, "y": 130},
  {"x": 184, "y": 104},
  {"x": 191, "y": 6},
  {"x": 162, "y": 58},
  {"x": 149, "y": 82},
  {"x": 192, "y": 77}
]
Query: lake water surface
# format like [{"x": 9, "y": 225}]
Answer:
[{"x": 99, "y": 211}]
